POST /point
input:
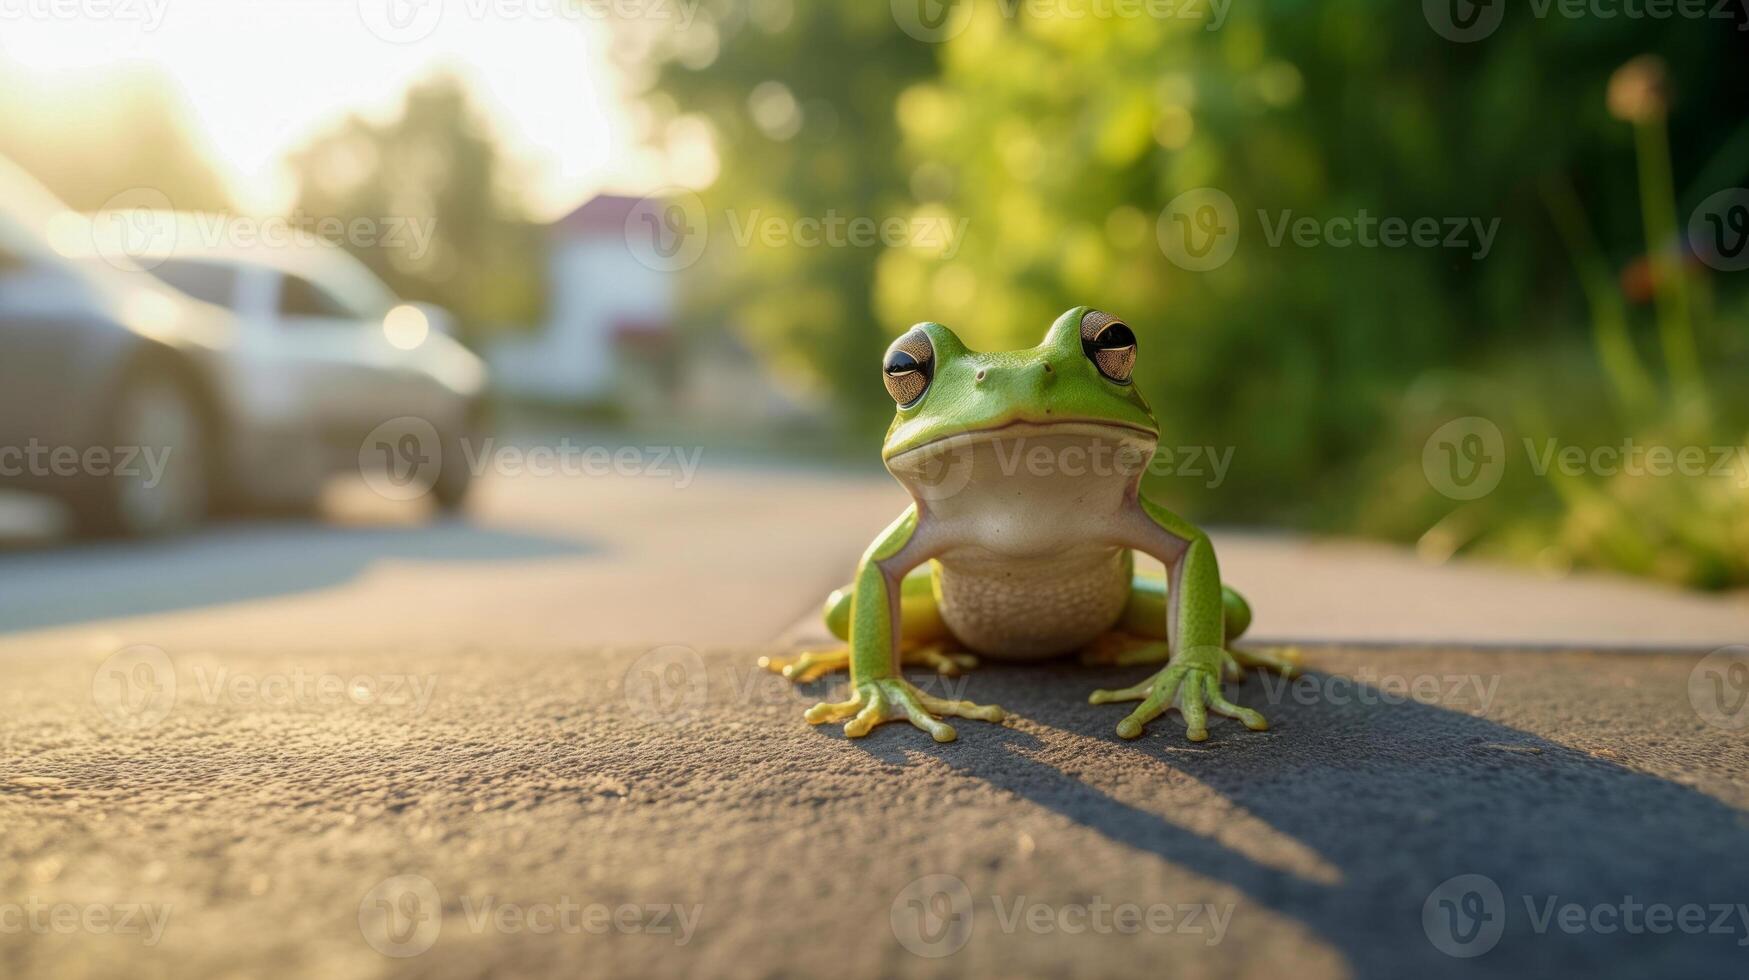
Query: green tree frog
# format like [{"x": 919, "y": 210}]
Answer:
[{"x": 1024, "y": 469}]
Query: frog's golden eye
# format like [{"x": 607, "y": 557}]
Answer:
[
  {"x": 1110, "y": 344},
  {"x": 908, "y": 368}
]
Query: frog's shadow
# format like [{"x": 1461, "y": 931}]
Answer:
[{"x": 1399, "y": 798}]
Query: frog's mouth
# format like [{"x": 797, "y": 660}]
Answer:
[{"x": 1035, "y": 442}]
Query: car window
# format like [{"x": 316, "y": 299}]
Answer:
[
  {"x": 206, "y": 281},
  {"x": 301, "y": 297}
]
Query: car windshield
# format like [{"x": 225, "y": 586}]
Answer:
[{"x": 211, "y": 282}]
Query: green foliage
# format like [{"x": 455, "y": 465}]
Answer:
[
  {"x": 1060, "y": 140},
  {"x": 434, "y": 166}
]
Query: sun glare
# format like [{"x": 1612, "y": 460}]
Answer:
[{"x": 261, "y": 78}]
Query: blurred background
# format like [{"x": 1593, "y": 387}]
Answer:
[{"x": 1374, "y": 252}]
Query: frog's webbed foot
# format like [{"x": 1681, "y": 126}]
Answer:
[
  {"x": 895, "y": 699},
  {"x": 1124, "y": 650},
  {"x": 812, "y": 665},
  {"x": 1284, "y": 661},
  {"x": 1194, "y": 686}
]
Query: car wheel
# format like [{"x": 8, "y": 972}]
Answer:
[
  {"x": 156, "y": 437},
  {"x": 454, "y": 480}
]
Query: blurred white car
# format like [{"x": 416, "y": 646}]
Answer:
[
  {"x": 245, "y": 382},
  {"x": 322, "y": 340}
]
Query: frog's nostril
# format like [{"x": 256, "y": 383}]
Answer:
[
  {"x": 981, "y": 373},
  {"x": 1048, "y": 368}
]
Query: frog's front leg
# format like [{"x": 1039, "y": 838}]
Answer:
[
  {"x": 1194, "y": 625},
  {"x": 878, "y": 693},
  {"x": 1140, "y": 635},
  {"x": 924, "y": 640}
]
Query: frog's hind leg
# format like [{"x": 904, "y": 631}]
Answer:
[
  {"x": 924, "y": 640},
  {"x": 1140, "y": 634}
]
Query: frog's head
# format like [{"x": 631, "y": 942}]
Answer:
[{"x": 1074, "y": 384}]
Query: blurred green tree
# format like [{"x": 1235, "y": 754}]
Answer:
[
  {"x": 435, "y": 165},
  {"x": 1062, "y": 141}
]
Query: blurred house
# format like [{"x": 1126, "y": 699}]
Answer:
[
  {"x": 610, "y": 339},
  {"x": 608, "y": 335}
]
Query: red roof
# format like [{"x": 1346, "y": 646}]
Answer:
[{"x": 603, "y": 214}]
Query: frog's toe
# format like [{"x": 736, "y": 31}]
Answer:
[
  {"x": 808, "y": 665},
  {"x": 1122, "y": 650},
  {"x": 1284, "y": 660},
  {"x": 894, "y": 699},
  {"x": 828, "y": 711},
  {"x": 942, "y": 660}
]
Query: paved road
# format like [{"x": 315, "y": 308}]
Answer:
[{"x": 533, "y": 742}]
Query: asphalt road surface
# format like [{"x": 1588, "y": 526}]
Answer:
[{"x": 533, "y": 742}]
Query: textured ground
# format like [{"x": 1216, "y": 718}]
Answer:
[{"x": 371, "y": 750}]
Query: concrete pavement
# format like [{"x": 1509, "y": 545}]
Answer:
[{"x": 534, "y": 742}]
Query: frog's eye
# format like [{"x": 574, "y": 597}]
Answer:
[
  {"x": 1110, "y": 344},
  {"x": 909, "y": 365}
]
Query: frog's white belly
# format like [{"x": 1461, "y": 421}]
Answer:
[
  {"x": 1029, "y": 609},
  {"x": 1032, "y": 567}
]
